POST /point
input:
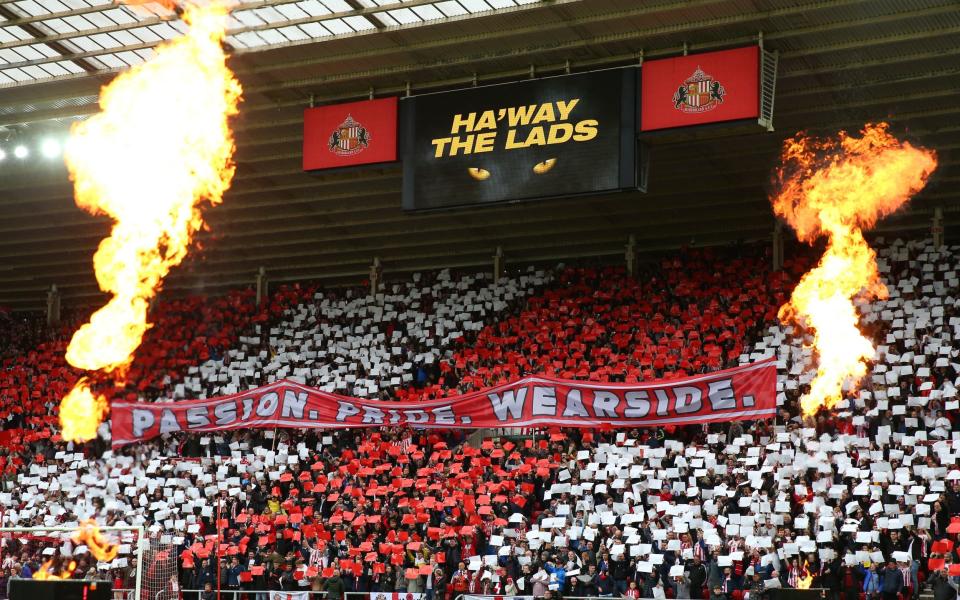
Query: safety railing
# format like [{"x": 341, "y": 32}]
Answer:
[
  {"x": 614, "y": 596},
  {"x": 231, "y": 594}
]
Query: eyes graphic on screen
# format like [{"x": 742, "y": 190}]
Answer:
[
  {"x": 540, "y": 168},
  {"x": 478, "y": 174}
]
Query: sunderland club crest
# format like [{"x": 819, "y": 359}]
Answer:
[
  {"x": 699, "y": 93},
  {"x": 349, "y": 138}
]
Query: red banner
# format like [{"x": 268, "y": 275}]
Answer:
[
  {"x": 355, "y": 133},
  {"x": 700, "y": 88},
  {"x": 742, "y": 393}
]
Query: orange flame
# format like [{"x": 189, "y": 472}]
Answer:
[
  {"x": 81, "y": 412},
  {"x": 804, "y": 583},
  {"x": 159, "y": 147},
  {"x": 837, "y": 188},
  {"x": 89, "y": 534},
  {"x": 46, "y": 571}
]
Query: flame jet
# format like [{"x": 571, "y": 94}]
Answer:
[
  {"x": 160, "y": 146},
  {"x": 838, "y": 187}
]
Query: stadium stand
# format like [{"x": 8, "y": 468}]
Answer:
[
  {"x": 360, "y": 345},
  {"x": 862, "y": 501}
]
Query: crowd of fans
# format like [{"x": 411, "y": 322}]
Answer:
[{"x": 860, "y": 502}]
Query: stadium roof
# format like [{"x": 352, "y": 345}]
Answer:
[
  {"x": 40, "y": 39},
  {"x": 842, "y": 63}
]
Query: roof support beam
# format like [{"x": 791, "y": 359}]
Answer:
[
  {"x": 86, "y": 10},
  {"x": 370, "y": 18},
  {"x": 36, "y": 33},
  {"x": 361, "y": 11}
]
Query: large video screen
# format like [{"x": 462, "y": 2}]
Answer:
[{"x": 557, "y": 136}]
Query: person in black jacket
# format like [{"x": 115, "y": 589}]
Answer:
[
  {"x": 953, "y": 497},
  {"x": 830, "y": 578},
  {"x": 439, "y": 584},
  {"x": 585, "y": 584},
  {"x": 334, "y": 587},
  {"x": 451, "y": 550},
  {"x": 604, "y": 584},
  {"x": 618, "y": 572},
  {"x": 698, "y": 577},
  {"x": 891, "y": 581},
  {"x": 914, "y": 546},
  {"x": 850, "y": 582},
  {"x": 941, "y": 585},
  {"x": 208, "y": 593}
]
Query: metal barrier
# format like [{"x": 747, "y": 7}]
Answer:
[
  {"x": 258, "y": 594},
  {"x": 529, "y": 597},
  {"x": 310, "y": 594}
]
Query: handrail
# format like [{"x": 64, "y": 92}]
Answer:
[
  {"x": 245, "y": 591},
  {"x": 531, "y": 597},
  {"x": 270, "y": 594}
]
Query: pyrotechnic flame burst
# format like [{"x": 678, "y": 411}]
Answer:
[
  {"x": 837, "y": 188},
  {"x": 160, "y": 146},
  {"x": 805, "y": 580},
  {"x": 100, "y": 548},
  {"x": 89, "y": 534},
  {"x": 46, "y": 571},
  {"x": 81, "y": 412}
]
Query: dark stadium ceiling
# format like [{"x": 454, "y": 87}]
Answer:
[{"x": 842, "y": 63}]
